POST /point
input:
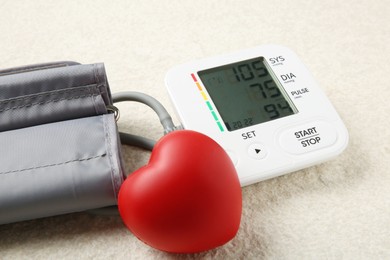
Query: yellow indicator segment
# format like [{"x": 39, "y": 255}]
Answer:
[{"x": 203, "y": 95}]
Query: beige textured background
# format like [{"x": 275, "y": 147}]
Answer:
[{"x": 336, "y": 210}]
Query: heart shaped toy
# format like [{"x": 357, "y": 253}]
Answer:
[{"x": 186, "y": 199}]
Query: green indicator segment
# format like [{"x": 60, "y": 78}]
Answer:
[
  {"x": 220, "y": 126},
  {"x": 208, "y": 103},
  {"x": 214, "y": 115}
]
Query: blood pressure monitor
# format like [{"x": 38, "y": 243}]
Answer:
[{"x": 262, "y": 106}]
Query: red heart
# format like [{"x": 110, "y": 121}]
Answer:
[{"x": 187, "y": 199}]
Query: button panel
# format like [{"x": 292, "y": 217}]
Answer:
[
  {"x": 264, "y": 150},
  {"x": 308, "y": 137}
]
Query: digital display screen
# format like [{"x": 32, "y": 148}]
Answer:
[{"x": 245, "y": 93}]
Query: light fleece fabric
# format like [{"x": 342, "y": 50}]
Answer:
[{"x": 336, "y": 210}]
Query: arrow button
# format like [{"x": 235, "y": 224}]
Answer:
[{"x": 257, "y": 151}]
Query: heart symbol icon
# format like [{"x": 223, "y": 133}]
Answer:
[{"x": 186, "y": 199}]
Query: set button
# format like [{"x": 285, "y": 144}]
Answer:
[{"x": 257, "y": 151}]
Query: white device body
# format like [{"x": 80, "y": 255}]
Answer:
[{"x": 313, "y": 134}]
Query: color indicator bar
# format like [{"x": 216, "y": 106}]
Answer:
[{"x": 204, "y": 96}]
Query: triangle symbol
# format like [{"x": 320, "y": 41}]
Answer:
[{"x": 257, "y": 150}]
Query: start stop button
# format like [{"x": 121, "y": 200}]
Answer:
[{"x": 308, "y": 137}]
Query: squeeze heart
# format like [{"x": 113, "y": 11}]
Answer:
[{"x": 186, "y": 199}]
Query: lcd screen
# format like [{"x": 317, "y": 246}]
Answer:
[{"x": 245, "y": 93}]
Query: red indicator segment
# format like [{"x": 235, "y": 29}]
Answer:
[{"x": 193, "y": 77}]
